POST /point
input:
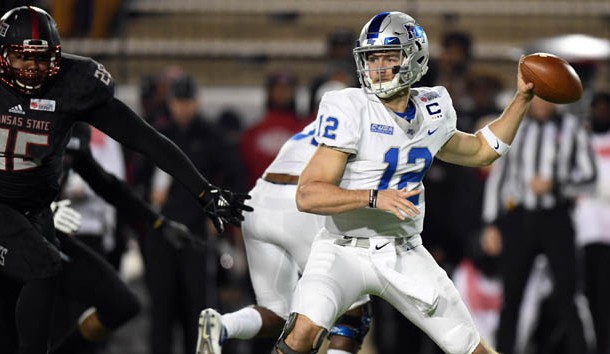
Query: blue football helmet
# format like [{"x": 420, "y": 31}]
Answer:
[{"x": 392, "y": 31}]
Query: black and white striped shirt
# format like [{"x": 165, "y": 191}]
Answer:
[{"x": 557, "y": 149}]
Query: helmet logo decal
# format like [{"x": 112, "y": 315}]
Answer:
[
  {"x": 391, "y": 40},
  {"x": 414, "y": 31},
  {"x": 3, "y": 29}
]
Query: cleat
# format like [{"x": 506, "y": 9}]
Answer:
[{"x": 212, "y": 333}]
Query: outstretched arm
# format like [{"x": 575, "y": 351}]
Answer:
[
  {"x": 121, "y": 195},
  {"x": 474, "y": 149},
  {"x": 112, "y": 189},
  {"x": 124, "y": 125}
]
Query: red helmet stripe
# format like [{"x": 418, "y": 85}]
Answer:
[{"x": 35, "y": 23}]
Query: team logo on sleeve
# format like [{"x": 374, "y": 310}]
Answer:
[
  {"x": 383, "y": 129},
  {"x": 39, "y": 104},
  {"x": 429, "y": 96}
]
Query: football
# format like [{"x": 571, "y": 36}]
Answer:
[{"x": 555, "y": 80}]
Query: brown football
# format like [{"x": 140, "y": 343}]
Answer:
[{"x": 554, "y": 79}]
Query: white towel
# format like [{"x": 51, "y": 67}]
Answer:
[{"x": 384, "y": 258}]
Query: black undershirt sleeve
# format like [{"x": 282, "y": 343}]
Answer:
[
  {"x": 122, "y": 124},
  {"x": 112, "y": 189}
]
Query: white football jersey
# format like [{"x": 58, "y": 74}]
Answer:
[
  {"x": 295, "y": 152},
  {"x": 387, "y": 151}
]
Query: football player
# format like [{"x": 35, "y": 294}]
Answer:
[
  {"x": 278, "y": 239},
  {"x": 44, "y": 91},
  {"x": 376, "y": 144},
  {"x": 87, "y": 277}
]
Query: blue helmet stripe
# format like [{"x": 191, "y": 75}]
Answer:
[{"x": 373, "y": 31}]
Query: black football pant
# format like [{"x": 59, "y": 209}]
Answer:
[
  {"x": 526, "y": 234},
  {"x": 597, "y": 290},
  {"x": 29, "y": 267},
  {"x": 89, "y": 280}
]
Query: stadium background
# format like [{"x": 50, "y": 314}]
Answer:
[{"x": 230, "y": 46}]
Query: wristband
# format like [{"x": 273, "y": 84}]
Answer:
[
  {"x": 494, "y": 142},
  {"x": 373, "y": 198}
]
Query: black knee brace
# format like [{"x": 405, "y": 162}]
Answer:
[{"x": 288, "y": 327}]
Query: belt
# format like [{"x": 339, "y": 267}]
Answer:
[
  {"x": 361, "y": 242},
  {"x": 364, "y": 242},
  {"x": 281, "y": 178}
]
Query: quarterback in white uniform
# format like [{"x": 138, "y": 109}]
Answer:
[
  {"x": 376, "y": 144},
  {"x": 278, "y": 240}
]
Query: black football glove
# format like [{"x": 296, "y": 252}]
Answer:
[
  {"x": 224, "y": 206},
  {"x": 178, "y": 235}
]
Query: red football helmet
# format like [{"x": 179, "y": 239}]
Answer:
[{"x": 28, "y": 33}]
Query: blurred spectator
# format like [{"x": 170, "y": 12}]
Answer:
[
  {"x": 528, "y": 200},
  {"x": 230, "y": 122},
  {"x": 452, "y": 68},
  {"x": 592, "y": 217},
  {"x": 444, "y": 216},
  {"x": 483, "y": 90},
  {"x": 477, "y": 275},
  {"x": 262, "y": 141},
  {"x": 153, "y": 92},
  {"x": 99, "y": 221},
  {"x": 183, "y": 281},
  {"x": 85, "y": 18},
  {"x": 339, "y": 64}
]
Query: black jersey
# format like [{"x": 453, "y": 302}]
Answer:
[{"x": 34, "y": 130}]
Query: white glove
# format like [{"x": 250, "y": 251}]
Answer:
[{"x": 66, "y": 219}]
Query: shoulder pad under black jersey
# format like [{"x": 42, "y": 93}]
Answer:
[{"x": 82, "y": 84}]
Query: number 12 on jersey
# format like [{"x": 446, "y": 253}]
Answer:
[{"x": 413, "y": 156}]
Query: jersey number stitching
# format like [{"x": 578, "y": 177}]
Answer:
[
  {"x": 414, "y": 154},
  {"x": 20, "y": 148},
  {"x": 102, "y": 74}
]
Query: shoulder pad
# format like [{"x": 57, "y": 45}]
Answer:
[{"x": 82, "y": 84}]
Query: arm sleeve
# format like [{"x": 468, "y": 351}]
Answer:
[
  {"x": 125, "y": 126},
  {"x": 112, "y": 189}
]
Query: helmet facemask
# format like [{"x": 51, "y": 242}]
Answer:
[
  {"x": 403, "y": 78},
  {"x": 31, "y": 78},
  {"x": 392, "y": 31},
  {"x": 30, "y": 49}
]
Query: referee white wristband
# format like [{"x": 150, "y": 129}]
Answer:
[{"x": 494, "y": 142}]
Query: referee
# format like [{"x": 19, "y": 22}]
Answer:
[{"x": 527, "y": 205}]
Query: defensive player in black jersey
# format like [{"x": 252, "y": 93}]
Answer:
[
  {"x": 43, "y": 93},
  {"x": 86, "y": 277}
]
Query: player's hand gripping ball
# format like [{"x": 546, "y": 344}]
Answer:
[{"x": 554, "y": 79}]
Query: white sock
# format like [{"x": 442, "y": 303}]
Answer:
[
  {"x": 337, "y": 351},
  {"x": 242, "y": 324}
]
